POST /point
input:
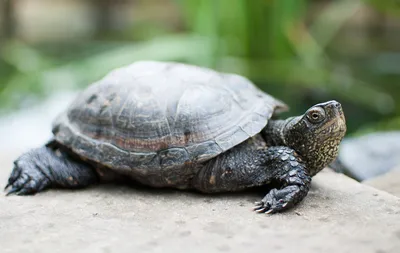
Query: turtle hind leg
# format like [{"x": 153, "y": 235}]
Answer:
[{"x": 46, "y": 167}]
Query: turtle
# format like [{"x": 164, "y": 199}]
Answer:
[{"x": 175, "y": 125}]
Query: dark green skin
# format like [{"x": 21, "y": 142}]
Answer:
[{"x": 287, "y": 153}]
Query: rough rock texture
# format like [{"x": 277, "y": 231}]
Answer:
[
  {"x": 339, "y": 215},
  {"x": 389, "y": 182}
]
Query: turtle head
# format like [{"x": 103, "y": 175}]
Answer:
[{"x": 316, "y": 134}]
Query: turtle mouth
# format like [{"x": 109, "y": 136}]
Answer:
[
  {"x": 341, "y": 120},
  {"x": 334, "y": 106},
  {"x": 342, "y": 123},
  {"x": 337, "y": 124},
  {"x": 338, "y": 120}
]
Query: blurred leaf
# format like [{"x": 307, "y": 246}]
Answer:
[
  {"x": 247, "y": 28},
  {"x": 389, "y": 6},
  {"x": 291, "y": 74},
  {"x": 41, "y": 78},
  {"x": 389, "y": 124},
  {"x": 172, "y": 48},
  {"x": 310, "y": 43},
  {"x": 27, "y": 64},
  {"x": 24, "y": 58}
]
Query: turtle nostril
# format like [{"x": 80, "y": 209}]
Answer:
[
  {"x": 337, "y": 107},
  {"x": 336, "y": 104}
]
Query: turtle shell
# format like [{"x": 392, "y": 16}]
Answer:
[{"x": 156, "y": 115}]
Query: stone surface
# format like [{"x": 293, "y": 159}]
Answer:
[
  {"x": 389, "y": 182},
  {"x": 339, "y": 215}
]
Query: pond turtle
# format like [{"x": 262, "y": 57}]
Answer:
[{"x": 166, "y": 124}]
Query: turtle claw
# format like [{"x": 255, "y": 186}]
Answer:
[
  {"x": 8, "y": 185},
  {"x": 260, "y": 210},
  {"x": 263, "y": 209},
  {"x": 13, "y": 190},
  {"x": 19, "y": 191},
  {"x": 27, "y": 186},
  {"x": 26, "y": 179},
  {"x": 275, "y": 201},
  {"x": 23, "y": 191},
  {"x": 18, "y": 185}
]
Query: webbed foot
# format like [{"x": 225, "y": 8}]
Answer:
[
  {"x": 26, "y": 179},
  {"x": 278, "y": 200},
  {"x": 46, "y": 167}
]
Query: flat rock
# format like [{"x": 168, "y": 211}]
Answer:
[
  {"x": 389, "y": 182},
  {"x": 338, "y": 215}
]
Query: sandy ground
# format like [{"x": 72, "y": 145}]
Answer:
[{"x": 338, "y": 215}]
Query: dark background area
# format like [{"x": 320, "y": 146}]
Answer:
[{"x": 302, "y": 52}]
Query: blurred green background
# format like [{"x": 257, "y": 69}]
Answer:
[{"x": 300, "y": 51}]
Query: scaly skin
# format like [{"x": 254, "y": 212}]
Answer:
[
  {"x": 254, "y": 164},
  {"x": 46, "y": 167}
]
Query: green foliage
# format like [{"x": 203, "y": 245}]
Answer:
[
  {"x": 32, "y": 73},
  {"x": 21, "y": 67},
  {"x": 388, "y": 6},
  {"x": 250, "y": 29}
]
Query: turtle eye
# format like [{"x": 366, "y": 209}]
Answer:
[{"x": 316, "y": 115}]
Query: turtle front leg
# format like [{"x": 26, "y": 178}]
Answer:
[
  {"x": 291, "y": 174},
  {"x": 250, "y": 164},
  {"x": 46, "y": 167}
]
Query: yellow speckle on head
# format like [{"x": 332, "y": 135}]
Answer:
[
  {"x": 212, "y": 179},
  {"x": 70, "y": 179},
  {"x": 58, "y": 153}
]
